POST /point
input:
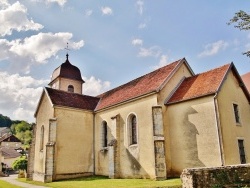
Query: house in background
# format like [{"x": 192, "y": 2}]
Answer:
[
  {"x": 4, "y": 130},
  {"x": 9, "y": 155},
  {"x": 10, "y": 146},
  {"x": 151, "y": 127},
  {"x": 10, "y": 140}
]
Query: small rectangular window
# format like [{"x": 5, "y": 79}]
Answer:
[
  {"x": 236, "y": 113},
  {"x": 104, "y": 134},
  {"x": 242, "y": 152}
]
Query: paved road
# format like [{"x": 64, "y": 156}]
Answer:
[{"x": 12, "y": 179}]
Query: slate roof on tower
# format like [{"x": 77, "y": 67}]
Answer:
[
  {"x": 151, "y": 82},
  {"x": 67, "y": 70},
  {"x": 204, "y": 84}
]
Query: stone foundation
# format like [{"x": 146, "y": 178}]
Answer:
[
  {"x": 227, "y": 176},
  {"x": 72, "y": 175}
]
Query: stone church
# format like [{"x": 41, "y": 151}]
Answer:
[{"x": 151, "y": 127}]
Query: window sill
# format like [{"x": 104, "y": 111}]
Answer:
[{"x": 133, "y": 146}]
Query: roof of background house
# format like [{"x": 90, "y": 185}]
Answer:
[
  {"x": 151, "y": 82},
  {"x": 4, "y": 129},
  {"x": 9, "y": 152},
  {"x": 74, "y": 100},
  {"x": 203, "y": 84},
  {"x": 67, "y": 70},
  {"x": 246, "y": 80},
  {"x": 9, "y": 138}
]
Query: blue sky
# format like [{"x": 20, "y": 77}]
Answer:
[{"x": 112, "y": 42}]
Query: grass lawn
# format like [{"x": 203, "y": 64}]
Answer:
[
  {"x": 7, "y": 185},
  {"x": 104, "y": 182}
]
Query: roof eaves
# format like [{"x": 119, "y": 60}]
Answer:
[
  {"x": 126, "y": 101},
  {"x": 195, "y": 97},
  {"x": 72, "y": 108}
]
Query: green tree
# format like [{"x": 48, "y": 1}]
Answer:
[
  {"x": 5, "y": 121},
  {"x": 242, "y": 21},
  {"x": 20, "y": 164},
  {"x": 28, "y": 137},
  {"x": 23, "y": 131}
]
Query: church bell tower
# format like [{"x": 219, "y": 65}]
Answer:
[{"x": 67, "y": 77}]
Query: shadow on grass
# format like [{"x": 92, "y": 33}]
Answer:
[{"x": 87, "y": 178}]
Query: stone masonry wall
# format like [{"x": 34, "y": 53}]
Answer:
[
  {"x": 226, "y": 176},
  {"x": 159, "y": 142},
  {"x": 31, "y": 155}
]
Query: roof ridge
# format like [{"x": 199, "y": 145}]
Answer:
[
  {"x": 228, "y": 64},
  {"x": 71, "y": 92},
  {"x": 140, "y": 77}
]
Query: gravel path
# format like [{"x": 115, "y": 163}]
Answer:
[{"x": 12, "y": 179}]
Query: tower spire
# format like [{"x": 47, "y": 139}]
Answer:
[{"x": 67, "y": 54}]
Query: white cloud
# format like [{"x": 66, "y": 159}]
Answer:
[
  {"x": 59, "y": 2},
  {"x": 163, "y": 61},
  {"x": 4, "y": 4},
  {"x": 88, "y": 12},
  {"x": 136, "y": 42},
  {"x": 213, "y": 48},
  {"x": 153, "y": 51},
  {"x": 94, "y": 87},
  {"x": 106, "y": 11},
  {"x": 19, "y": 95},
  {"x": 140, "y": 5},
  {"x": 36, "y": 49},
  {"x": 14, "y": 17}
]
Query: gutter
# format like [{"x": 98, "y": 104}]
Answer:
[{"x": 218, "y": 126}]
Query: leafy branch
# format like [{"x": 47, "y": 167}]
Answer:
[{"x": 242, "y": 21}]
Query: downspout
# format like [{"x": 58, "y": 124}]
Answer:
[
  {"x": 217, "y": 115},
  {"x": 94, "y": 143}
]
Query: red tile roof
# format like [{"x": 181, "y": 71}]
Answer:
[
  {"x": 143, "y": 85},
  {"x": 200, "y": 85},
  {"x": 74, "y": 100}
]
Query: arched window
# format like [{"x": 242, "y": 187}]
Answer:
[
  {"x": 104, "y": 134},
  {"x": 71, "y": 88},
  {"x": 132, "y": 129},
  {"x": 41, "y": 138}
]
